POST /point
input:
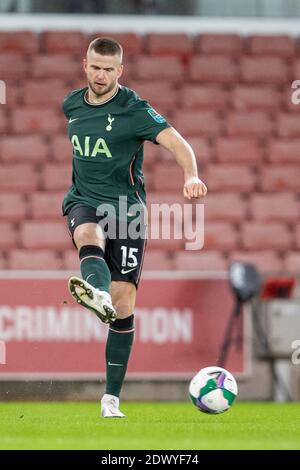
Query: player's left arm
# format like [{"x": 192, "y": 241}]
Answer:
[{"x": 171, "y": 140}]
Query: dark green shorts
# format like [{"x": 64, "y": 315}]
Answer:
[{"x": 124, "y": 254}]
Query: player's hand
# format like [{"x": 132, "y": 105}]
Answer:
[{"x": 194, "y": 188}]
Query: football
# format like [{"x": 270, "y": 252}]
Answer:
[{"x": 213, "y": 390}]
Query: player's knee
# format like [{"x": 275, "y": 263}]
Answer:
[
  {"x": 123, "y": 307},
  {"x": 85, "y": 236},
  {"x": 123, "y": 296}
]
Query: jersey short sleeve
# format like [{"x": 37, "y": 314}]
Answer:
[
  {"x": 65, "y": 105},
  {"x": 70, "y": 101},
  {"x": 149, "y": 123}
]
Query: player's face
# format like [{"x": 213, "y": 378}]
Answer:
[{"x": 102, "y": 72}]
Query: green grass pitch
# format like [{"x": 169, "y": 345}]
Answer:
[{"x": 148, "y": 426}]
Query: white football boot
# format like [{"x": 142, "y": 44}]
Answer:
[
  {"x": 94, "y": 299},
  {"x": 110, "y": 407}
]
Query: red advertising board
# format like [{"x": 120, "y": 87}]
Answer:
[{"x": 180, "y": 324}]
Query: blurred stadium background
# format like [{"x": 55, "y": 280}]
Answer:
[{"x": 222, "y": 73}]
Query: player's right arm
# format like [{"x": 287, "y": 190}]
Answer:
[{"x": 171, "y": 140}]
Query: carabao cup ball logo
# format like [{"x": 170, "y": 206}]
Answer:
[{"x": 213, "y": 390}]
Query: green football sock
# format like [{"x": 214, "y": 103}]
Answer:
[
  {"x": 93, "y": 267},
  {"x": 118, "y": 348}
]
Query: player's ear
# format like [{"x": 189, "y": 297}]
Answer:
[
  {"x": 120, "y": 70},
  {"x": 84, "y": 63}
]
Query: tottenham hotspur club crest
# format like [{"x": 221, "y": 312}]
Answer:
[{"x": 110, "y": 120}]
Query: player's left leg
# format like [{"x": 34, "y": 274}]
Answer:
[
  {"x": 124, "y": 258},
  {"x": 118, "y": 346}
]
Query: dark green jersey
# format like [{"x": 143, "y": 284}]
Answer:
[{"x": 107, "y": 144}]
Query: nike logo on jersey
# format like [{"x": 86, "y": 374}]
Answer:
[
  {"x": 72, "y": 120},
  {"x": 112, "y": 364},
  {"x": 125, "y": 271}
]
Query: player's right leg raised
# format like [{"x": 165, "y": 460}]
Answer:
[{"x": 92, "y": 291}]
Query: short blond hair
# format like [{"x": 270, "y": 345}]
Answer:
[{"x": 106, "y": 46}]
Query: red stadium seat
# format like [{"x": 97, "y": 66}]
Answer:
[
  {"x": 56, "y": 177},
  {"x": 203, "y": 150},
  {"x": 9, "y": 236},
  {"x": 213, "y": 69},
  {"x": 157, "y": 93},
  {"x": 157, "y": 260},
  {"x": 127, "y": 75},
  {"x": 291, "y": 262},
  {"x": 70, "y": 260},
  {"x": 220, "y": 236},
  {"x": 275, "y": 45},
  {"x": 200, "y": 261},
  {"x": 13, "y": 207},
  {"x": 41, "y": 234},
  {"x": 262, "y": 98},
  {"x": 168, "y": 178},
  {"x": 297, "y": 235},
  {"x": 280, "y": 178},
  {"x": 159, "y": 237},
  {"x": 204, "y": 97},
  {"x": 80, "y": 82},
  {"x": 268, "y": 70},
  {"x": 33, "y": 259},
  {"x": 179, "y": 44},
  {"x": 14, "y": 93},
  {"x": 229, "y": 178},
  {"x": 229, "y": 207},
  {"x": 249, "y": 124},
  {"x": 44, "y": 205},
  {"x": 165, "y": 198},
  {"x": 150, "y": 155},
  {"x": 4, "y": 123},
  {"x": 287, "y": 125},
  {"x": 29, "y": 120},
  {"x": 198, "y": 123},
  {"x": 284, "y": 151},
  {"x": 3, "y": 263},
  {"x": 229, "y": 150},
  {"x": 56, "y": 66},
  {"x": 13, "y": 66},
  {"x": 61, "y": 148},
  {"x": 163, "y": 155},
  {"x": 148, "y": 175},
  {"x": 18, "y": 148},
  {"x": 169, "y": 205},
  {"x": 25, "y": 42},
  {"x": 275, "y": 207},
  {"x": 211, "y": 43},
  {"x": 259, "y": 235},
  {"x": 159, "y": 68},
  {"x": 295, "y": 70},
  {"x": 18, "y": 178},
  {"x": 288, "y": 97},
  {"x": 47, "y": 92},
  {"x": 132, "y": 43},
  {"x": 73, "y": 42},
  {"x": 266, "y": 261}
]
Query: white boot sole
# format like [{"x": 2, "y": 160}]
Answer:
[{"x": 83, "y": 293}]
